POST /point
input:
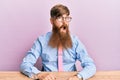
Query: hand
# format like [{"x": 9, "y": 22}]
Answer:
[
  {"x": 74, "y": 78},
  {"x": 46, "y": 76}
]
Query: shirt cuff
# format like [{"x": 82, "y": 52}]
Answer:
[
  {"x": 80, "y": 77},
  {"x": 34, "y": 71}
]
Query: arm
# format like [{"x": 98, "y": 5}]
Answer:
[
  {"x": 89, "y": 68},
  {"x": 27, "y": 67}
]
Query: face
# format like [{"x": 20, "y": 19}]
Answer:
[
  {"x": 61, "y": 23},
  {"x": 60, "y": 35}
]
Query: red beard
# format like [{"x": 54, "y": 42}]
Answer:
[{"x": 59, "y": 37}]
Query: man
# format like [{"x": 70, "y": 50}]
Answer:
[{"x": 59, "y": 40}]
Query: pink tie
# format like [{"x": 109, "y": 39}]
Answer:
[{"x": 60, "y": 61}]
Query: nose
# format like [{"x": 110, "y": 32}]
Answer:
[{"x": 64, "y": 21}]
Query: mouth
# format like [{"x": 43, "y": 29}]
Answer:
[{"x": 63, "y": 27}]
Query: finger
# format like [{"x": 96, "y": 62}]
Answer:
[
  {"x": 69, "y": 79},
  {"x": 54, "y": 77},
  {"x": 51, "y": 77},
  {"x": 47, "y": 78}
]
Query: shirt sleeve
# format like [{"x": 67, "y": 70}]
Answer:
[
  {"x": 27, "y": 66},
  {"x": 87, "y": 63}
]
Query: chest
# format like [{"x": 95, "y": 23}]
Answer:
[{"x": 51, "y": 55}]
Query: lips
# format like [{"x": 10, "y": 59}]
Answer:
[{"x": 63, "y": 27}]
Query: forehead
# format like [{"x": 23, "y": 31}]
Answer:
[{"x": 64, "y": 15}]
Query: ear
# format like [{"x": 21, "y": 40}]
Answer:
[{"x": 51, "y": 21}]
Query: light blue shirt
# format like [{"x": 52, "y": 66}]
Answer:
[{"x": 49, "y": 58}]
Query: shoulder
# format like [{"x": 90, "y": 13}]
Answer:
[
  {"x": 76, "y": 41},
  {"x": 74, "y": 38},
  {"x": 44, "y": 38}
]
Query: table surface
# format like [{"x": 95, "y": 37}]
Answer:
[{"x": 100, "y": 75}]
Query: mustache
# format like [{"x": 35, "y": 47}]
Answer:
[
  {"x": 56, "y": 29},
  {"x": 64, "y": 27}
]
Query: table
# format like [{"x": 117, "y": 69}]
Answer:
[{"x": 100, "y": 75}]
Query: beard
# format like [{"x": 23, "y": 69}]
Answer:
[{"x": 60, "y": 37}]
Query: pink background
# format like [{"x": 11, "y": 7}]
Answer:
[{"x": 95, "y": 22}]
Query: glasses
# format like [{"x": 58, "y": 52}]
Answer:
[{"x": 60, "y": 19}]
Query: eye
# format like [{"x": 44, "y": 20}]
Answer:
[
  {"x": 68, "y": 18},
  {"x": 59, "y": 19}
]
